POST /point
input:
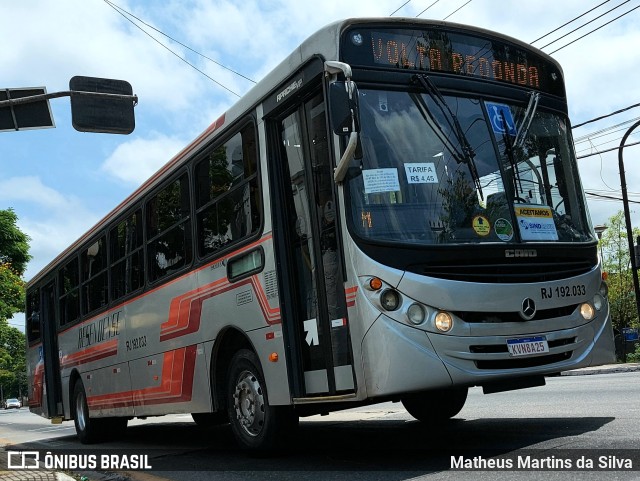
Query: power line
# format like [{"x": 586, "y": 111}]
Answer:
[
  {"x": 585, "y": 24},
  {"x": 167, "y": 48},
  {"x": 601, "y": 132},
  {"x": 427, "y": 8},
  {"x": 391, "y": 14},
  {"x": 603, "y": 151},
  {"x": 459, "y": 8},
  {"x": 607, "y": 115},
  {"x": 608, "y": 197},
  {"x": 595, "y": 29},
  {"x": 570, "y": 21}
]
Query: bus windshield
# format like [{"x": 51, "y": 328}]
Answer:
[{"x": 448, "y": 169}]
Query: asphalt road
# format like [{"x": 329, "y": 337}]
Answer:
[{"x": 576, "y": 416}]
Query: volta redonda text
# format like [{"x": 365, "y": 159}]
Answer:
[{"x": 391, "y": 52}]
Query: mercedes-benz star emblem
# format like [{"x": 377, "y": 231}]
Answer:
[{"x": 528, "y": 309}]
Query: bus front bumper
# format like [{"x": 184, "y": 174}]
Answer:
[{"x": 399, "y": 359}]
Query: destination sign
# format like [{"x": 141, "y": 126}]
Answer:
[{"x": 442, "y": 51}]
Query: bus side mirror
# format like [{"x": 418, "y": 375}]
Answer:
[{"x": 343, "y": 107}]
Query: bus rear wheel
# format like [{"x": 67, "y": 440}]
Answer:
[
  {"x": 436, "y": 406},
  {"x": 256, "y": 425},
  {"x": 88, "y": 430}
]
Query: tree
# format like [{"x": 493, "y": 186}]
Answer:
[
  {"x": 13, "y": 370},
  {"x": 14, "y": 244},
  {"x": 14, "y": 255},
  {"x": 617, "y": 264}
]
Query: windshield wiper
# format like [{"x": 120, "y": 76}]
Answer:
[
  {"x": 521, "y": 134},
  {"x": 466, "y": 155}
]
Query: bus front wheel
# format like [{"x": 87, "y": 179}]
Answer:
[
  {"x": 436, "y": 406},
  {"x": 256, "y": 425}
]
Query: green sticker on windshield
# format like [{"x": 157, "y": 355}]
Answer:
[{"x": 503, "y": 229}]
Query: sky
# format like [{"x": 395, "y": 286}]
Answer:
[{"x": 60, "y": 182}]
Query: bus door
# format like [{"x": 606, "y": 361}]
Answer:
[
  {"x": 52, "y": 386},
  {"x": 312, "y": 292}
]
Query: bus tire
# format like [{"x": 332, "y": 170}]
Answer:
[
  {"x": 256, "y": 425},
  {"x": 436, "y": 406},
  {"x": 88, "y": 430},
  {"x": 115, "y": 428}
]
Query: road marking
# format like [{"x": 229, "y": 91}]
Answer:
[{"x": 49, "y": 429}]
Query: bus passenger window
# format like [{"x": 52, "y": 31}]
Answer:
[
  {"x": 227, "y": 194},
  {"x": 94, "y": 276},
  {"x": 169, "y": 230},
  {"x": 69, "y": 292},
  {"x": 127, "y": 268},
  {"x": 33, "y": 315}
]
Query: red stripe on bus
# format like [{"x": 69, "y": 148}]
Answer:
[
  {"x": 176, "y": 384},
  {"x": 90, "y": 354},
  {"x": 185, "y": 312},
  {"x": 350, "y": 293}
]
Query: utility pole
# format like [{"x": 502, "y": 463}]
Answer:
[{"x": 627, "y": 217}]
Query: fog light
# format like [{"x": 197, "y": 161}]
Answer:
[
  {"x": 587, "y": 311},
  {"x": 416, "y": 314},
  {"x": 443, "y": 321},
  {"x": 598, "y": 302},
  {"x": 390, "y": 299}
]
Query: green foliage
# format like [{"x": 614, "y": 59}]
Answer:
[
  {"x": 14, "y": 255},
  {"x": 13, "y": 370},
  {"x": 617, "y": 265},
  {"x": 12, "y": 292},
  {"x": 14, "y": 244},
  {"x": 634, "y": 356}
]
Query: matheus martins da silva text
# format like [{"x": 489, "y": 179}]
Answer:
[{"x": 609, "y": 462}]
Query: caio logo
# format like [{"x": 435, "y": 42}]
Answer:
[{"x": 520, "y": 253}]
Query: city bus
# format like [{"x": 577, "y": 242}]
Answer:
[{"x": 394, "y": 213}]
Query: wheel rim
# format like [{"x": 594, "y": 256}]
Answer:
[
  {"x": 81, "y": 412},
  {"x": 249, "y": 403}
]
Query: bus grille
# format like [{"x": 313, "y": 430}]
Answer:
[
  {"x": 502, "y": 273},
  {"x": 488, "y": 317},
  {"x": 519, "y": 363}
]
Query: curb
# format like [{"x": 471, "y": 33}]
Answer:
[{"x": 608, "y": 369}]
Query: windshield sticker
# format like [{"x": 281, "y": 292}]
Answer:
[
  {"x": 536, "y": 223},
  {"x": 481, "y": 225},
  {"x": 503, "y": 229},
  {"x": 501, "y": 118},
  {"x": 423, "y": 173},
  {"x": 380, "y": 180}
]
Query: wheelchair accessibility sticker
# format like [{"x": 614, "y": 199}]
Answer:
[{"x": 501, "y": 118}]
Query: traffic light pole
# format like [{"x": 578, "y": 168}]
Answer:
[{"x": 627, "y": 217}]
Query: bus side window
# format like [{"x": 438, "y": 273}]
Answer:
[
  {"x": 95, "y": 291},
  {"x": 169, "y": 230},
  {"x": 33, "y": 315},
  {"x": 227, "y": 193},
  {"x": 69, "y": 277},
  {"x": 127, "y": 260}
]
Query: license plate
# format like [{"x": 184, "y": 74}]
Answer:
[{"x": 527, "y": 346}]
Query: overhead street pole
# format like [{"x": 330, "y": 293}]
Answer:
[{"x": 627, "y": 217}]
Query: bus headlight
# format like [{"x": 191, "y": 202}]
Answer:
[
  {"x": 390, "y": 299},
  {"x": 416, "y": 313},
  {"x": 587, "y": 311},
  {"x": 443, "y": 321}
]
